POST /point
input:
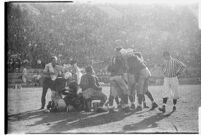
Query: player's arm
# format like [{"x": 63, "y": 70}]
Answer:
[
  {"x": 45, "y": 71},
  {"x": 94, "y": 84},
  {"x": 181, "y": 66}
]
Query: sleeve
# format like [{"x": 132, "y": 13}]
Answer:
[
  {"x": 82, "y": 82},
  {"x": 97, "y": 83},
  {"x": 180, "y": 66},
  {"x": 94, "y": 85},
  {"x": 46, "y": 69}
]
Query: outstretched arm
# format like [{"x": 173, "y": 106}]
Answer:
[{"x": 181, "y": 66}]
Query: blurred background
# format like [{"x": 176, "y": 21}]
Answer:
[{"x": 89, "y": 33}]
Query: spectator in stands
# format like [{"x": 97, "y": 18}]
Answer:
[
  {"x": 10, "y": 65},
  {"x": 24, "y": 74},
  {"x": 17, "y": 64},
  {"x": 39, "y": 64}
]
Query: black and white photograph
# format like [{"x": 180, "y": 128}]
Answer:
[{"x": 103, "y": 67}]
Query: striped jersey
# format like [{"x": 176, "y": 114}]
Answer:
[{"x": 172, "y": 67}]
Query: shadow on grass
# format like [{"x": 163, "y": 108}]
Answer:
[
  {"x": 47, "y": 118},
  {"x": 63, "y": 122},
  {"x": 92, "y": 120},
  {"x": 147, "y": 123},
  {"x": 25, "y": 115}
]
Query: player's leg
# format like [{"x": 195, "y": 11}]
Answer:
[
  {"x": 140, "y": 92},
  {"x": 132, "y": 97},
  {"x": 163, "y": 108},
  {"x": 165, "y": 94},
  {"x": 149, "y": 95},
  {"x": 113, "y": 94},
  {"x": 43, "y": 97},
  {"x": 87, "y": 94},
  {"x": 100, "y": 96},
  {"x": 124, "y": 100},
  {"x": 123, "y": 92},
  {"x": 145, "y": 92},
  {"x": 110, "y": 100},
  {"x": 175, "y": 86},
  {"x": 131, "y": 87},
  {"x": 144, "y": 102},
  {"x": 117, "y": 102},
  {"x": 46, "y": 84}
]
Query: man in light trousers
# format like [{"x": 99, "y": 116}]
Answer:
[{"x": 172, "y": 69}]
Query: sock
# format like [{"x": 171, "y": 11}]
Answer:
[
  {"x": 150, "y": 96},
  {"x": 140, "y": 98},
  {"x": 165, "y": 101},
  {"x": 174, "y": 102},
  {"x": 117, "y": 100},
  {"x": 110, "y": 100},
  {"x": 131, "y": 98}
]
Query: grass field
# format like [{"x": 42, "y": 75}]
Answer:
[{"x": 24, "y": 116}]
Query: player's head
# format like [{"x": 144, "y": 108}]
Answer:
[
  {"x": 117, "y": 51},
  {"x": 53, "y": 60},
  {"x": 166, "y": 55},
  {"x": 89, "y": 70}
]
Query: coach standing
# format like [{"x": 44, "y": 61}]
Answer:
[
  {"x": 172, "y": 68},
  {"x": 50, "y": 74}
]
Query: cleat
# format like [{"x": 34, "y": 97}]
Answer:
[
  {"x": 126, "y": 109},
  {"x": 101, "y": 109},
  {"x": 174, "y": 108},
  {"x": 162, "y": 109},
  {"x": 154, "y": 105},
  {"x": 119, "y": 106},
  {"x": 145, "y": 106},
  {"x": 111, "y": 110},
  {"x": 139, "y": 108},
  {"x": 133, "y": 106},
  {"x": 41, "y": 108}
]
